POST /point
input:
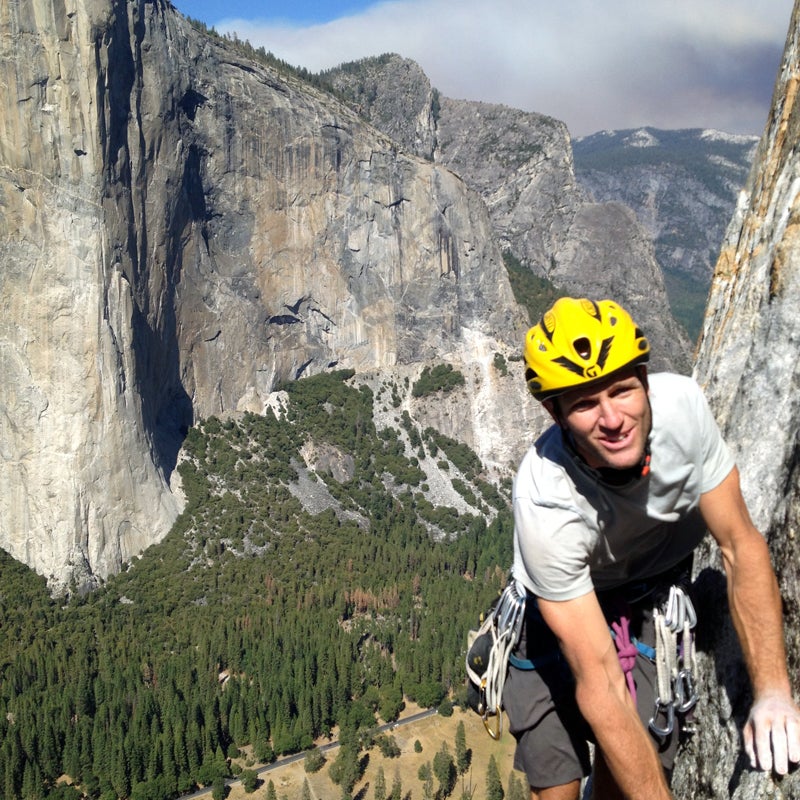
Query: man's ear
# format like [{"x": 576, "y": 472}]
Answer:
[{"x": 551, "y": 406}]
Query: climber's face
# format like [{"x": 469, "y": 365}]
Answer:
[{"x": 609, "y": 421}]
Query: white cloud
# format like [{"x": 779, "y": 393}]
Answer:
[{"x": 615, "y": 64}]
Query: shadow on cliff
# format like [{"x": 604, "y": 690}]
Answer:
[{"x": 717, "y": 638}]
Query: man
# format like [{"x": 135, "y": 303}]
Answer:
[{"x": 609, "y": 505}]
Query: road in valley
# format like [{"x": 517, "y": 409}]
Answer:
[{"x": 325, "y": 748}]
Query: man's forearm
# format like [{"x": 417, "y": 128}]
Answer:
[
  {"x": 755, "y": 606},
  {"x": 626, "y": 745}
]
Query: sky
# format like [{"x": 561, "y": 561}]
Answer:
[{"x": 594, "y": 64}]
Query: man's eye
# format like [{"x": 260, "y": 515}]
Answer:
[{"x": 620, "y": 390}]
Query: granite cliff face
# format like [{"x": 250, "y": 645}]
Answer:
[
  {"x": 174, "y": 242},
  {"x": 521, "y": 164},
  {"x": 748, "y": 364}
]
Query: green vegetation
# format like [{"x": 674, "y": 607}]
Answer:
[
  {"x": 687, "y": 299},
  {"x": 532, "y": 292},
  {"x": 254, "y": 622},
  {"x": 441, "y": 378},
  {"x": 259, "y": 55},
  {"x": 500, "y": 364},
  {"x": 462, "y": 457}
]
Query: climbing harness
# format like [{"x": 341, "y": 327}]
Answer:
[{"x": 488, "y": 653}]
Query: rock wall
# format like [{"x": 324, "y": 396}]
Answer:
[
  {"x": 521, "y": 164},
  {"x": 80, "y": 489},
  {"x": 183, "y": 229},
  {"x": 748, "y": 364}
]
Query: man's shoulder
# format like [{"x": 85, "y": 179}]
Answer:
[
  {"x": 665, "y": 381},
  {"x": 542, "y": 457},
  {"x": 672, "y": 393}
]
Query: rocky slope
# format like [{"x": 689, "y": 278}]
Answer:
[
  {"x": 748, "y": 364},
  {"x": 521, "y": 164}
]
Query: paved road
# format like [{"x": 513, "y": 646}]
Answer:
[{"x": 325, "y": 748}]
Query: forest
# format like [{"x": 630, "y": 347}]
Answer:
[{"x": 256, "y": 623}]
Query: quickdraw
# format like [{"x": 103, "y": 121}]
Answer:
[
  {"x": 675, "y": 661},
  {"x": 488, "y": 654},
  {"x": 673, "y": 655}
]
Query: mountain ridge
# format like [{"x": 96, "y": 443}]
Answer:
[{"x": 683, "y": 186}]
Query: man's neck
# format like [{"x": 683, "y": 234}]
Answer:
[{"x": 609, "y": 475}]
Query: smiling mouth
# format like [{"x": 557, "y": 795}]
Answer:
[{"x": 619, "y": 438}]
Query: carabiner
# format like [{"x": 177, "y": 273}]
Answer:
[
  {"x": 685, "y": 694},
  {"x": 498, "y": 726},
  {"x": 669, "y": 710}
]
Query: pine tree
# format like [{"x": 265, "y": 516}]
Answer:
[
  {"x": 445, "y": 771},
  {"x": 271, "y": 793},
  {"x": 218, "y": 789},
  {"x": 380, "y": 785},
  {"x": 397, "y": 787},
  {"x": 306, "y": 795},
  {"x": 516, "y": 790},
  {"x": 427, "y": 786},
  {"x": 463, "y": 755},
  {"x": 494, "y": 786}
]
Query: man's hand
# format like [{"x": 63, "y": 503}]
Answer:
[
  {"x": 772, "y": 734},
  {"x": 772, "y": 731}
]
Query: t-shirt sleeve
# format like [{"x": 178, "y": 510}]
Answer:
[
  {"x": 550, "y": 556},
  {"x": 717, "y": 458}
]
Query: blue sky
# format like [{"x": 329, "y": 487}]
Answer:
[
  {"x": 595, "y": 65},
  {"x": 301, "y": 12}
]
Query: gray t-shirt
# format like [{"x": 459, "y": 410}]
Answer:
[{"x": 574, "y": 533}]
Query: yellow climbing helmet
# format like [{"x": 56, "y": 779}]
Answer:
[{"x": 578, "y": 342}]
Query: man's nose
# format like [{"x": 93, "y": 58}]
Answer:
[{"x": 610, "y": 416}]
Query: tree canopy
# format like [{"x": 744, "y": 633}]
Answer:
[{"x": 256, "y": 621}]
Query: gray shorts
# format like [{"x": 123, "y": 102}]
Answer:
[{"x": 552, "y": 735}]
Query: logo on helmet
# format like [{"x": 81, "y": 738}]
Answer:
[{"x": 593, "y": 370}]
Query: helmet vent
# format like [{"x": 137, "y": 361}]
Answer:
[{"x": 583, "y": 347}]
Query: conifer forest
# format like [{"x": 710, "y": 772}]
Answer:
[{"x": 256, "y": 622}]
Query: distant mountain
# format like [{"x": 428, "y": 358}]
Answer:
[{"x": 683, "y": 186}]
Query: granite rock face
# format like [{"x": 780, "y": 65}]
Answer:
[
  {"x": 176, "y": 242},
  {"x": 521, "y": 164},
  {"x": 748, "y": 364}
]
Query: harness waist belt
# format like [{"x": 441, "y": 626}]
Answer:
[{"x": 536, "y": 663}]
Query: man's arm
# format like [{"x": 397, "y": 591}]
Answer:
[
  {"x": 603, "y": 697},
  {"x": 772, "y": 732}
]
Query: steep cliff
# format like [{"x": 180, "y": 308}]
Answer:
[
  {"x": 177, "y": 241},
  {"x": 521, "y": 163},
  {"x": 748, "y": 364}
]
